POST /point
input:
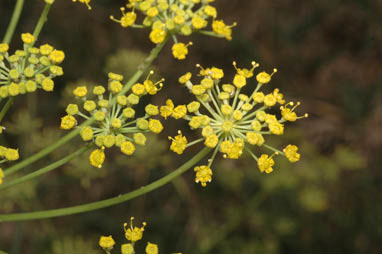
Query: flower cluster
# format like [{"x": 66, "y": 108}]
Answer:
[
  {"x": 174, "y": 17},
  {"x": 132, "y": 234},
  {"x": 86, "y": 2},
  {"x": 114, "y": 116},
  {"x": 28, "y": 69},
  {"x": 230, "y": 120},
  {"x": 7, "y": 154}
]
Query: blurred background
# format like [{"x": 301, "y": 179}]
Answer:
[{"x": 328, "y": 54}]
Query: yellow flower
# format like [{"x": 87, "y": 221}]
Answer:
[
  {"x": 289, "y": 114},
  {"x": 57, "y": 56},
  {"x": 210, "y": 11},
  {"x": 12, "y": 154},
  {"x": 80, "y": 91},
  {"x": 179, "y": 143},
  {"x": 46, "y": 49},
  {"x": 291, "y": 153},
  {"x": 139, "y": 139},
  {"x": 86, "y": 133},
  {"x": 3, "y": 47},
  {"x": 151, "y": 248},
  {"x": 106, "y": 242},
  {"x": 127, "y": 248},
  {"x": 203, "y": 175},
  {"x": 68, "y": 122},
  {"x": 179, "y": 112},
  {"x": 265, "y": 163},
  {"x": 47, "y": 84},
  {"x": 186, "y": 77},
  {"x": 198, "y": 22},
  {"x": 152, "y": 110},
  {"x": 264, "y": 78},
  {"x": 155, "y": 126},
  {"x": 158, "y": 35},
  {"x": 211, "y": 141},
  {"x": 97, "y": 157},
  {"x": 127, "y": 148},
  {"x": 27, "y": 38},
  {"x": 133, "y": 234},
  {"x": 180, "y": 50},
  {"x": 115, "y": 86},
  {"x": 128, "y": 18}
]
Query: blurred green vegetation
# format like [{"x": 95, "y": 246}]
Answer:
[{"x": 328, "y": 55}]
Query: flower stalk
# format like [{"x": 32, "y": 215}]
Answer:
[{"x": 107, "y": 202}]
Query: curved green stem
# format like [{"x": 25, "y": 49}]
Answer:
[
  {"x": 14, "y": 20},
  {"x": 44, "y": 170},
  {"x": 43, "y": 18},
  {"x": 6, "y": 107},
  {"x": 107, "y": 202},
  {"x": 47, "y": 150}
]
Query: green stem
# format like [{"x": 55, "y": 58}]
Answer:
[
  {"x": 43, "y": 18},
  {"x": 107, "y": 202},
  {"x": 46, "y": 150},
  {"x": 14, "y": 20},
  {"x": 212, "y": 33},
  {"x": 45, "y": 170},
  {"x": 141, "y": 69},
  {"x": 6, "y": 108}
]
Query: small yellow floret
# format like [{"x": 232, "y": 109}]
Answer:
[
  {"x": 264, "y": 78},
  {"x": 151, "y": 248},
  {"x": 80, "y": 91},
  {"x": 3, "y": 47},
  {"x": 291, "y": 153},
  {"x": 134, "y": 234},
  {"x": 155, "y": 126},
  {"x": 86, "y": 133},
  {"x": 186, "y": 77},
  {"x": 211, "y": 141},
  {"x": 47, "y": 84},
  {"x": 27, "y": 38},
  {"x": 57, "y": 56},
  {"x": 265, "y": 163},
  {"x": 68, "y": 122},
  {"x": 127, "y": 148},
  {"x": 179, "y": 143},
  {"x": 106, "y": 242},
  {"x": 179, "y": 112},
  {"x": 203, "y": 175},
  {"x": 158, "y": 35},
  {"x": 97, "y": 157},
  {"x": 139, "y": 139},
  {"x": 12, "y": 154},
  {"x": 115, "y": 86},
  {"x": 239, "y": 81},
  {"x": 180, "y": 50},
  {"x": 127, "y": 248}
]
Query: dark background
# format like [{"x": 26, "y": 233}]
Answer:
[{"x": 328, "y": 54}]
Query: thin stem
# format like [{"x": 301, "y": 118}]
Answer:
[
  {"x": 6, "y": 108},
  {"x": 107, "y": 202},
  {"x": 45, "y": 169},
  {"x": 14, "y": 20},
  {"x": 43, "y": 18},
  {"x": 212, "y": 33}
]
